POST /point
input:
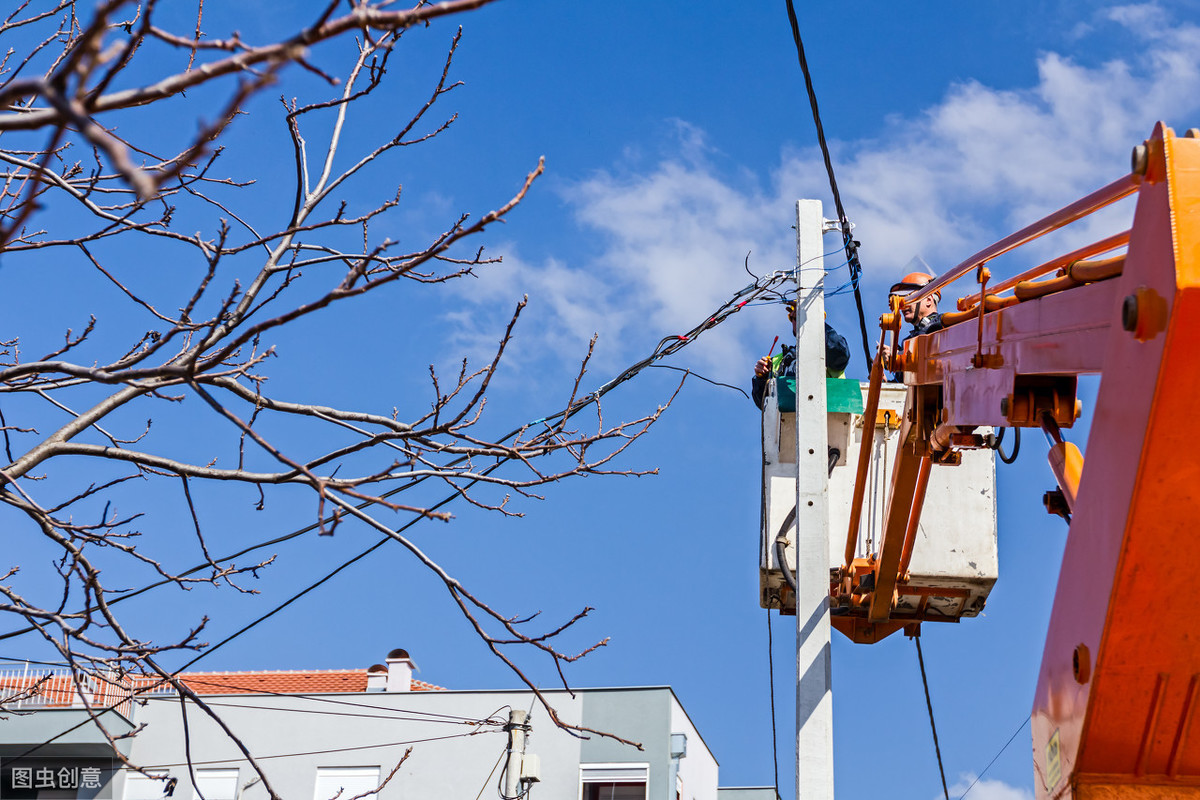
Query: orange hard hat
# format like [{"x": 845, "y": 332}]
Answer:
[{"x": 910, "y": 282}]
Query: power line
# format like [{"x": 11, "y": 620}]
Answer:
[
  {"x": 405, "y": 714},
  {"x": 993, "y": 761},
  {"x": 929, "y": 704},
  {"x": 771, "y": 675},
  {"x": 666, "y": 346},
  {"x": 701, "y": 377},
  {"x": 190, "y": 680},
  {"x": 284, "y": 709},
  {"x": 415, "y": 715},
  {"x": 848, "y": 242},
  {"x": 323, "y": 752},
  {"x": 488, "y": 779}
]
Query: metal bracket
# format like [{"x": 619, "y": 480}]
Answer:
[{"x": 828, "y": 225}]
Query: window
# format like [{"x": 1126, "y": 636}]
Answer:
[
  {"x": 217, "y": 784},
  {"x": 614, "y": 791},
  {"x": 613, "y": 781},
  {"x": 140, "y": 787},
  {"x": 346, "y": 783}
]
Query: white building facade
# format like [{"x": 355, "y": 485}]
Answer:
[{"x": 381, "y": 735}]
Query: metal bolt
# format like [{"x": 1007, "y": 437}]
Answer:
[
  {"x": 1004, "y": 406},
  {"x": 1139, "y": 160},
  {"x": 1081, "y": 664},
  {"x": 1129, "y": 313}
]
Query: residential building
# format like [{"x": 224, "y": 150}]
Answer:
[{"x": 317, "y": 733}]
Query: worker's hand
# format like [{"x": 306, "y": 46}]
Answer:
[
  {"x": 887, "y": 354},
  {"x": 763, "y": 367}
]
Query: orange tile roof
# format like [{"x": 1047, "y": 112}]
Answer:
[
  {"x": 286, "y": 682},
  {"x": 422, "y": 686},
  {"x": 59, "y": 689}
]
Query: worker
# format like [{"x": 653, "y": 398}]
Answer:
[
  {"x": 837, "y": 356},
  {"x": 923, "y": 316}
]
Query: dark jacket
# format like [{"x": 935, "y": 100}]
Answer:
[
  {"x": 928, "y": 324},
  {"x": 837, "y": 356}
]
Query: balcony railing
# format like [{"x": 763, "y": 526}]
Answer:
[{"x": 28, "y": 687}]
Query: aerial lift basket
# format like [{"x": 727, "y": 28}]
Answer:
[{"x": 953, "y": 562}]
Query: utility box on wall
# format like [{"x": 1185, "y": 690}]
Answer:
[{"x": 955, "y": 547}]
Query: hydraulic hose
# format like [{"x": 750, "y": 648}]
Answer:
[
  {"x": 781, "y": 539},
  {"x": 780, "y": 545}
]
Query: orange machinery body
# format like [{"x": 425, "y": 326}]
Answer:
[{"x": 1115, "y": 714}]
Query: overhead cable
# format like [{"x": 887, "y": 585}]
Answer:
[
  {"x": 375, "y": 746},
  {"x": 771, "y": 682},
  {"x": 391, "y": 712},
  {"x": 929, "y": 705},
  {"x": 848, "y": 242},
  {"x": 1020, "y": 728},
  {"x": 665, "y": 347}
]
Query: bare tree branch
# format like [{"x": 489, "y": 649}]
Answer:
[{"x": 198, "y": 286}]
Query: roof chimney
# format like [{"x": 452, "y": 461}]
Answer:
[
  {"x": 399, "y": 671},
  {"x": 377, "y": 677}
]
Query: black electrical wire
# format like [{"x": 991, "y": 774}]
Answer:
[
  {"x": 404, "y": 714},
  {"x": 328, "y": 576},
  {"x": 149, "y": 687},
  {"x": 848, "y": 242},
  {"x": 771, "y": 675},
  {"x": 315, "y": 712},
  {"x": 1020, "y": 728},
  {"x": 488, "y": 779},
  {"x": 417, "y": 716},
  {"x": 781, "y": 557},
  {"x": 701, "y": 377},
  {"x": 323, "y": 752},
  {"x": 929, "y": 704},
  {"x": 429, "y": 716},
  {"x": 666, "y": 346}
]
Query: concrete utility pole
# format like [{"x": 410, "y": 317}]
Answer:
[
  {"x": 516, "y": 728},
  {"x": 814, "y": 691}
]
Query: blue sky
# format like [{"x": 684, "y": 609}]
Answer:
[{"x": 677, "y": 138}]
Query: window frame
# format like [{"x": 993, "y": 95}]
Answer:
[
  {"x": 137, "y": 779},
  {"x": 601, "y": 766},
  {"x": 333, "y": 768},
  {"x": 209, "y": 772}
]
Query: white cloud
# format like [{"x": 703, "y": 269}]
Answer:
[
  {"x": 986, "y": 789},
  {"x": 942, "y": 183},
  {"x": 571, "y": 304}
]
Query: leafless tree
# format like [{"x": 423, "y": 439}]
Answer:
[{"x": 93, "y": 175}]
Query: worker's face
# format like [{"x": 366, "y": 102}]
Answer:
[
  {"x": 919, "y": 311},
  {"x": 791, "y": 312}
]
